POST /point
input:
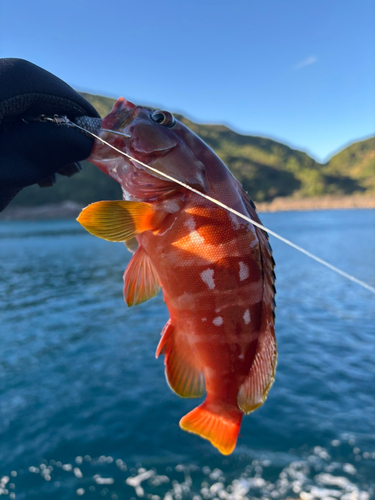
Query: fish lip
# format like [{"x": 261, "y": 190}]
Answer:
[
  {"x": 116, "y": 121},
  {"x": 122, "y": 134}
]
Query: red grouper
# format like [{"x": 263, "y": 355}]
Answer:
[{"x": 215, "y": 269}]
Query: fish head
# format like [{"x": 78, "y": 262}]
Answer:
[{"x": 153, "y": 137}]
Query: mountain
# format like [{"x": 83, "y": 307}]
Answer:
[
  {"x": 266, "y": 168},
  {"x": 356, "y": 162}
]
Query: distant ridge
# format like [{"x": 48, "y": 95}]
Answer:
[{"x": 266, "y": 168}]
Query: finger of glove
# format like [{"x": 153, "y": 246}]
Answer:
[
  {"x": 67, "y": 171},
  {"x": 28, "y": 90},
  {"x": 6, "y": 195},
  {"x": 35, "y": 151},
  {"x": 48, "y": 181},
  {"x": 70, "y": 169}
]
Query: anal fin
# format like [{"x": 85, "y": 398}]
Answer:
[
  {"x": 253, "y": 392},
  {"x": 141, "y": 281},
  {"x": 183, "y": 374}
]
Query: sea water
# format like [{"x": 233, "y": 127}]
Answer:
[{"x": 84, "y": 406}]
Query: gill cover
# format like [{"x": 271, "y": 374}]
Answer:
[{"x": 181, "y": 163}]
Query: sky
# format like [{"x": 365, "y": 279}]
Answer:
[{"x": 299, "y": 71}]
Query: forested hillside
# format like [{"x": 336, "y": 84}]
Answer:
[{"x": 266, "y": 168}]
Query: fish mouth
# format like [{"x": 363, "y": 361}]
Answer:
[
  {"x": 121, "y": 115},
  {"x": 141, "y": 175},
  {"x": 129, "y": 168},
  {"x": 122, "y": 104},
  {"x": 147, "y": 160}
]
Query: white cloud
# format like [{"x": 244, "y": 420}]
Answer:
[{"x": 306, "y": 62}]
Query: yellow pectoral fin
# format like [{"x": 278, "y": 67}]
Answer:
[{"x": 118, "y": 220}]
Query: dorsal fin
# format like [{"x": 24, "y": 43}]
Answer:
[{"x": 253, "y": 392}]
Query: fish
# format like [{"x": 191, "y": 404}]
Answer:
[{"x": 216, "y": 271}]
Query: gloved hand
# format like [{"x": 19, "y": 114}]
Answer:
[{"x": 31, "y": 151}]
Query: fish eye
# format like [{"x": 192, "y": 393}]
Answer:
[{"x": 163, "y": 118}]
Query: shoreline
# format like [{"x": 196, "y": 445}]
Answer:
[
  {"x": 71, "y": 209},
  {"x": 64, "y": 210},
  {"x": 326, "y": 202}
]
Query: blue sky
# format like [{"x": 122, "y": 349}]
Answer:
[{"x": 299, "y": 71}]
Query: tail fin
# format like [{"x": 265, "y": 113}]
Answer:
[{"x": 220, "y": 429}]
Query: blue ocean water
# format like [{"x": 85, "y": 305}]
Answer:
[{"x": 84, "y": 406}]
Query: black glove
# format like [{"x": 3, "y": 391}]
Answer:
[{"x": 31, "y": 151}]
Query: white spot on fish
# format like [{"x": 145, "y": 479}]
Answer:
[
  {"x": 244, "y": 271},
  {"x": 218, "y": 321},
  {"x": 246, "y": 317},
  {"x": 203, "y": 319},
  {"x": 240, "y": 356},
  {"x": 196, "y": 238},
  {"x": 235, "y": 221},
  {"x": 171, "y": 206},
  {"x": 190, "y": 224},
  {"x": 208, "y": 278}
]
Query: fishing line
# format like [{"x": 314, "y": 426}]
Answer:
[{"x": 225, "y": 207}]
